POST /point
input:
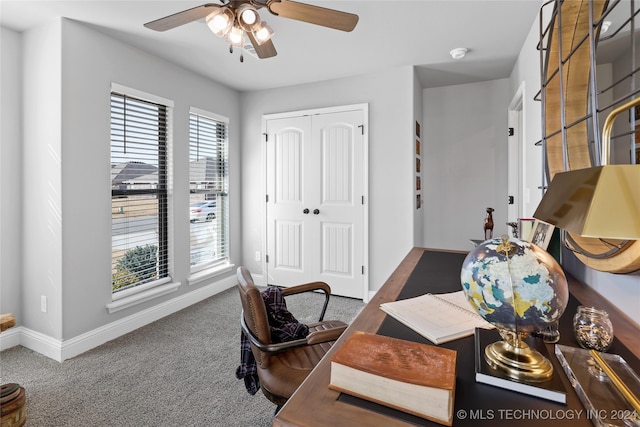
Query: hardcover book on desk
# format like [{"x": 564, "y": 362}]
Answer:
[
  {"x": 552, "y": 389},
  {"x": 413, "y": 377}
]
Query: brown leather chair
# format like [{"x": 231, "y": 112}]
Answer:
[{"x": 283, "y": 366}]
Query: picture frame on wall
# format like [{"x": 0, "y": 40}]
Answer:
[
  {"x": 525, "y": 226},
  {"x": 417, "y": 129},
  {"x": 541, "y": 234}
]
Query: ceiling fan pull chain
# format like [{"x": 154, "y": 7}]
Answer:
[{"x": 242, "y": 48}]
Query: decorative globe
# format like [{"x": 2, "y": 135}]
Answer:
[{"x": 515, "y": 285}]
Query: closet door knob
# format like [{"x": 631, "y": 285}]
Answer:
[
  {"x": 316, "y": 211},
  {"x": 306, "y": 211}
]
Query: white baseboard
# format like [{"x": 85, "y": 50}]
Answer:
[
  {"x": 63, "y": 350},
  {"x": 10, "y": 338}
]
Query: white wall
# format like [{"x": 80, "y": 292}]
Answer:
[
  {"x": 391, "y": 160},
  {"x": 465, "y": 162},
  {"x": 68, "y": 71},
  {"x": 10, "y": 182}
]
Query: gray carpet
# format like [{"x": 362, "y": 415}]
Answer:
[{"x": 178, "y": 371}]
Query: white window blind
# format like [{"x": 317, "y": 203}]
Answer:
[
  {"x": 208, "y": 187},
  {"x": 139, "y": 252}
]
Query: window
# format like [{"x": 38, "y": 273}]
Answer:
[
  {"x": 208, "y": 188},
  {"x": 139, "y": 250}
]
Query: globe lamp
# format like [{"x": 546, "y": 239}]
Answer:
[{"x": 520, "y": 288}]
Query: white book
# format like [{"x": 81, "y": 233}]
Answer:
[{"x": 438, "y": 317}]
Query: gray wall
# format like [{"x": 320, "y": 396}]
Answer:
[
  {"x": 465, "y": 162},
  {"x": 418, "y": 116},
  {"x": 66, "y": 174},
  {"x": 61, "y": 250},
  {"x": 10, "y": 182},
  {"x": 391, "y": 159},
  {"x": 621, "y": 66},
  {"x": 526, "y": 74}
]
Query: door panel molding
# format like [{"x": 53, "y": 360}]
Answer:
[{"x": 342, "y": 248}]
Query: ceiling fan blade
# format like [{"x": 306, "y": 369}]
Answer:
[
  {"x": 181, "y": 18},
  {"x": 264, "y": 50},
  {"x": 313, "y": 14}
]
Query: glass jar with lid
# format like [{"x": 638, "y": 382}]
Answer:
[{"x": 593, "y": 328}]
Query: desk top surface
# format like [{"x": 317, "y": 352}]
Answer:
[{"x": 422, "y": 270}]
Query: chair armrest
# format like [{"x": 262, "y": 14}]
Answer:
[
  {"x": 325, "y": 335},
  {"x": 306, "y": 287},
  {"x": 315, "y": 337},
  {"x": 313, "y": 286},
  {"x": 269, "y": 348}
]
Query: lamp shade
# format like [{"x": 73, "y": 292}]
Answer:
[
  {"x": 220, "y": 21},
  {"x": 263, "y": 33},
  {"x": 248, "y": 17},
  {"x": 235, "y": 36},
  {"x": 600, "y": 202}
]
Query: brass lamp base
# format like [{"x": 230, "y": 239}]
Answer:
[{"x": 519, "y": 361}]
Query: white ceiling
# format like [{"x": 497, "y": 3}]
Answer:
[{"x": 389, "y": 34}]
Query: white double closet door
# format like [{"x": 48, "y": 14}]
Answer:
[{"x": 316, "y": 211}]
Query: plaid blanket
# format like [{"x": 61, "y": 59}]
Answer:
[{"x": 284, "y": 327}]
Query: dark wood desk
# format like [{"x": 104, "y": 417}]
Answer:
[{"x": 314, "y": 404}]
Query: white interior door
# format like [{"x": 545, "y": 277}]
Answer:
[{"x": 315, "y": 204}]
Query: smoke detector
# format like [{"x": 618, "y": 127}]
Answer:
[{"x": 458, "y": 53}]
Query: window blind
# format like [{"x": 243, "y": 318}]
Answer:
[
  {"x": 138, "y": 191},
  {"x": 208, "y": 188}
]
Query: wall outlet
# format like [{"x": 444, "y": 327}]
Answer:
[
  {"x": 258, "y": 256},
  {"x": 43, "y": 303}
]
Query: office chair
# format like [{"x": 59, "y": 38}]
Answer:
[{"x": 281, "y": 367}]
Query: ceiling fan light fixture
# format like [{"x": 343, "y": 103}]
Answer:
[
  {"x": 220, "y": 21},
  {"x": 239, "y": 20},
  {"x": 235, "y": 36},
  {"x": 263, "y": 33},
  {"x": 248, "y": 17}
]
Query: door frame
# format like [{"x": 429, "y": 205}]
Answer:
[
  {"x": 364, "y": 108},
  {"x": 515, "y": 165}
]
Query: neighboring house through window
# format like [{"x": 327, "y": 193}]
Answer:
[
  {"x": 139, "y": 193},
  {"x": 209, "y": 190}
]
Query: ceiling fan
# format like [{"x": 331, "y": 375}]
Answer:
[{"x": 235, "y": 19}]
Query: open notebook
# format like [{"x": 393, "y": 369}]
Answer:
[{"x": 438, "y": 317}]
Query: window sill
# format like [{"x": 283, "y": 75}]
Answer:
[
  {"x": 209, "y": 273},
  {"x": 140, "y": 297}
]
